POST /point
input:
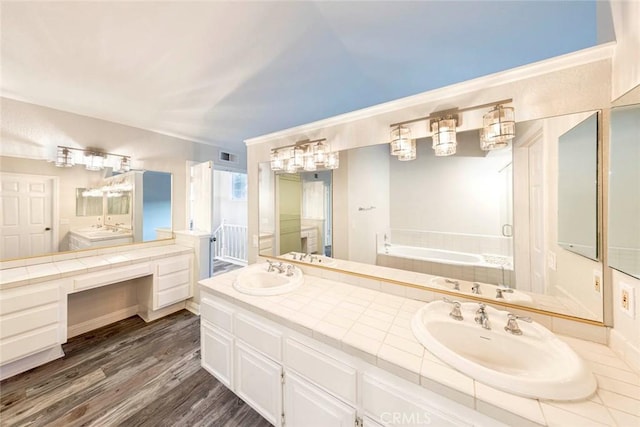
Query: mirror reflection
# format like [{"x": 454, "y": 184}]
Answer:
[
  {"x": 72, "y": 208},
  {"x": 477, "y": 216},
  {"x": 624, "y": 190},
  {"x": 577, "y": 188}
]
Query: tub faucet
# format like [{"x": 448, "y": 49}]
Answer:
[
  {"x": 475, "y": 289},
  {"x": 512, "y": 326},
  {"x": 481, "y": 317}
]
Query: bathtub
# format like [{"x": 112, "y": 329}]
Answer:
[
  {"x": 433, "y": 255},
  {"x": 493, "y": 269}
]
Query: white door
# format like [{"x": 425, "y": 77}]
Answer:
[
  {"x": 202, "y": 197},
  {"x": 305, "y": 405},
  {"x": 536, "y": 216},
  {"x": 258, "y": 382},
  {"x": 26, "y": 215}
]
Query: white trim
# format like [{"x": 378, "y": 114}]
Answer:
[
  {"x": 193, "y": 307},
  {"x": 98, "y": 322},
  {"x": 29, "y": 362},
  {"x": 562, "y": 62},
  {"x": 625, "y": 349}
]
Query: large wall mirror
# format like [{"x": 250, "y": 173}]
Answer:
[
  {"x": 65, "y": 209},
  {"x": 624, "y": 190},
  {"x": 477, "y": 216}
]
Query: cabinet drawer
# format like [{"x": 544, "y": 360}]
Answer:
[
  {"x": 261, "y": 337},
  {"x": 24, "y": 297},
  {"x": 173, "y": 296},
  {"x": 217, "y": 314},
  {"x": 28, "y": 320},
  {"x": 172, "y": 280},
  {"x": 335, "y": 376},
  {"x": 381, "y": 399},
  {"x": 113, "y": 275},
  {"x": 28, "y": 343},
  {"x": 173, "y": 264}
]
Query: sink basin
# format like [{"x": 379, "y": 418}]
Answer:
[
  {"x": 488, "y": 291},
  {"x": 535, "y": 364},
  {"x": 257, "y": 280}
]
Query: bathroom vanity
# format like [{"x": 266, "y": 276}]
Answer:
[
  {"x": 34, "y": 294},
  {"x": 339, "y": 350}
]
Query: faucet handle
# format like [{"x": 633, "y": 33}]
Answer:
[
  {"x": 290, "y": 270},
  {"x": 455, "y": 311},
  {"x": 455, "y": 283},
  {"x": 500, "y": 291},
  {"x": 271, "y": 266},
  {"x": 512, "y": 326},
  {"x": 475, "y": 289}
]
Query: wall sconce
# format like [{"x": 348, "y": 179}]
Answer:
[
  {"x": 306, "y": 155},
  {"x": 497, "y": 130},
  {"x": 93, "y": 159},
  {"x": 443, "y": 134}
]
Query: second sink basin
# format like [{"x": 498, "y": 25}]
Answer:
[
  {"x": 535, "y": 364},
  {"x": 257, "y": 280}
]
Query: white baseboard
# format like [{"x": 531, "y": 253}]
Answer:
[
  {"x": 193, "y": 307},
  {"x": 625, "y": 349},
  {"x": 107, "y": 319},
  {"x": 151, "y": 315},
  {"x": 30, "y": 362}
]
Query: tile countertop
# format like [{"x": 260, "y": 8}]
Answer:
[
  {"x": 17, "y": 273},
  {"x": 376, "y": 327}
]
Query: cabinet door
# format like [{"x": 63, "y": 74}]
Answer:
[
  {"x": 258, "y": 382},
  {"x": 217, "y": 353},
  {"x": 306, "y": 405}
]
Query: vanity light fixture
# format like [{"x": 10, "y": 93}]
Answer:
[
  {"x": 498, "y": 128},
  {"x": 306, "y": 155},
  {"x": 64, "y": 158},
  {"x": 93, "y": 159},
  {"x": 443, "y": 134}
]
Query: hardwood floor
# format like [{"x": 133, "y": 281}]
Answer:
[{"x": 128, "y": 373}]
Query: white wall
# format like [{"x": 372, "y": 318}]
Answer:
[
  {"x": 626, "y": 58},
  {"x": 454, "y": 194}
]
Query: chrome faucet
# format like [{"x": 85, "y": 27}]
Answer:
[
  {"x": 512, "y": 326},
  {"x": 455, "y": 283},
  {"x": 482, "y": 318},
  {"x": 500, "y": 291},
  {"x": 475, "y": 289},
  {"x": 271, "y": 267},
  {"x": 312, "y": 258},
  {"x": 455, "y": 311}
]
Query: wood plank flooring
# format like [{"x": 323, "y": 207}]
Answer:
[{"x": 127, "y": 373}]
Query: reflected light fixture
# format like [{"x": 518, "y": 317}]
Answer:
[
  {"x": 444, "y": 135},
  {"x": 64, "y": 158},
  {"x": 94, "y": 160},
  {"x": 498, "y": 128},
  {"x": 305, "y": 155}
]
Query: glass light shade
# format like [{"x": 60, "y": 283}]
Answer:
[
  {"x": 444, "y": 136},
  {"x": 290, "y": 165},
  {"x": 499, "y": 126},
  {"x": 320, "y": 151},
  {"x": 277, "y": 163},
  {"x": 64, "y": 158},
  {"x": 486, "y": 144},
  {"x": 309, "y": 163},
  {"x": 400, "y": 141},
  {"x": 333, "y": 160},
  {"x": 94, "y": 161},
  {"x": 298, "y": 157},
  {"x": 124, "y": 164},
  {"x": 411, "y": 154}
]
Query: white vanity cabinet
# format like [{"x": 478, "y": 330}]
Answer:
[
  {"x": 294, "y": 380},
  {"x": 32, "y": 319}
]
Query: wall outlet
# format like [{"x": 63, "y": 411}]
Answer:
[
  {"x": 627, "y": 300},
  {"x": 597, "y": 280}
]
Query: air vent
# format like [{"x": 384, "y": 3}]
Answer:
[{"x": 228, "y": 157}]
